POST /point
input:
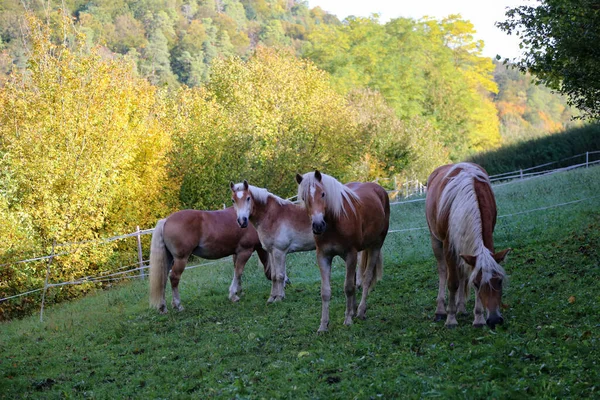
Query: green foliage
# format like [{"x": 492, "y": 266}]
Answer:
[
  {"x": 172, "y": 37},
  {"x": 560, "y": 40},
  {"x": 111, "y": 345},
  {"x": 261, "y": 120},
  {"x": 547, "y": 149},
  {"x": 428, "y": 69}
]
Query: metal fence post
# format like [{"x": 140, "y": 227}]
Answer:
[
  {"x": 587, "y": 158},
  {"x": 46, "y": 281},
  {"x": 140, "y": 256}
]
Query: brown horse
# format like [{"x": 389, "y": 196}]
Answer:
[
  {"x": 461, "y": 214},
  {"x": 283, "y": 227},
  {"x": 346, "y": 219},
  {"x": 206, "y": 234}
]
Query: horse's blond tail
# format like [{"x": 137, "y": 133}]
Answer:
[
  {"x": 363, "y": 261},
  {"x": 158, "y": 266}
]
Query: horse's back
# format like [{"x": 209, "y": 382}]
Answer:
[
  {"x": 209, "y": 234},
  {"x": 374, "y": 210},
  {"x": 437, "y": 209}
]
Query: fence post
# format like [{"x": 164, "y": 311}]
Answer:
[
  {"x": 46, "y": 281},
  {"x": 140, "y": 256},
  {"x": 520, "y": 174},
  {"x": 587, "y": 158}
]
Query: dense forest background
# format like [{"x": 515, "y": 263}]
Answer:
[
  {"x": 115, "y": 113},
  {"x": 428, "y": 68}
]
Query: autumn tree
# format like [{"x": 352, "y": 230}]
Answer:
[
  {"x": 82, "y": 152},
  {"x": 561, "y": 40}
]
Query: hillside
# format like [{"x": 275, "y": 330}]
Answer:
[
  {"x": 174, "y": 42},
  {"x": 111, "y": 345}
]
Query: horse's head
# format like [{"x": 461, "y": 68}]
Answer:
[
  {"x": 489, "y": 285},
  {"x": 242, "y": 202},
  {"x": 314, "y": 201}
]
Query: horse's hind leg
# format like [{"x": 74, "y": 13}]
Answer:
[
  {"x": 372, "y": 255},
  {"x": 461, "y": 300},
  {"x": 438, "y": 251},
  {"x": 175, "y": 276},
  {"x": 239, "y": 262},
  {"x": 453, "y": 279},
  {"x": 350, "y": 287},
  {"x": 278, "y": 276}
]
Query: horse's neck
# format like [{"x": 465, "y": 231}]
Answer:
[{"x": 261, "y": 210}]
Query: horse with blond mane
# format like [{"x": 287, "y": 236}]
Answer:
[
  {"x": 283, "y": 227},
  {"x": 461, "y": 214},
  {"x": 207, "y": 234},
  {"x": 346, "y": 219}
]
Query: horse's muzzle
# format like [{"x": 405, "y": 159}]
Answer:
[
  {"x": 319, "y": 227},
  {"x": 493, "y": 320},
  {"x": 242, "y": 222}
]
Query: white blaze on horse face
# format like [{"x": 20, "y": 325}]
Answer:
[
  {"x": 313, "y": 190},
  {"x": 242, "y": 207}
]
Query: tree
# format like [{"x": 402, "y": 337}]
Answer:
[
  {"x": 82, "y": 155},
  {"x": 561, "y": 39}
]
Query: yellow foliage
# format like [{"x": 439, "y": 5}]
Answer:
[{"x": 84, "y": 148}]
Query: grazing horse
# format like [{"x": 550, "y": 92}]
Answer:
[
  {"x": 283, "y": 227},
  {"x": 346, "y": 219},
  {"x": 461, "y": 214},
  {"x": 206, "y": 234}
]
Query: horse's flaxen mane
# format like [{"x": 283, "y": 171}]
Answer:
[
  {"x": 260, "y": 195},
  {"x": 336, "y": 193},
  {"x": 459, "y": 201}
]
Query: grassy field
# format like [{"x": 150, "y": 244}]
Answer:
[{"x": 110, "y": 345}]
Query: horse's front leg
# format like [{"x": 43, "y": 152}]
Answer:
[
  {"x": 325, "y": 268},
  {"x": 350, "y": 286},
  {"x": 479, "y": 320},
  {"x": 278, "y": 276},
  {"x": 239, "y": 262}
]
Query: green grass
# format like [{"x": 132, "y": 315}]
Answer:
[{"x": 110, "y": 345}]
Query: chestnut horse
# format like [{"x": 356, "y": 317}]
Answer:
[
  {"x": 461, "y": 214},
  {"x": 206, "y": 234},
  {"x": 283, "y": 227},
  {"x": 346, "y": 219}
]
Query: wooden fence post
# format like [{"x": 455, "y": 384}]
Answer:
[
  {"x": 140, "y": 256},
  {"x": 46, "y": 281},
  {"x": 520, "y": 174}
]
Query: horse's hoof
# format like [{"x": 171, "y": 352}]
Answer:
[
  {"x": 439, "y": 317},
  {"x": 478, "y": 326},
  {"x": 271, "y": 299},
  {"x": 234, "y": 298},
  {"x": 322, "y": 330},
  {"x": 178, "y": 308},
  {"x": 348, "y": 321},
  {"x": 162, "y": 309}
]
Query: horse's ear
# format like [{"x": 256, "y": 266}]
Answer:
[
  {"x": 245, "y": 184},
  {"x": 318, "y": 175},
  {"x": 231, "y": 185},
  {"x": 299, "y": 178},
  {"x": 471, "y": 260},
  {"x": 501, "y": 255}
]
